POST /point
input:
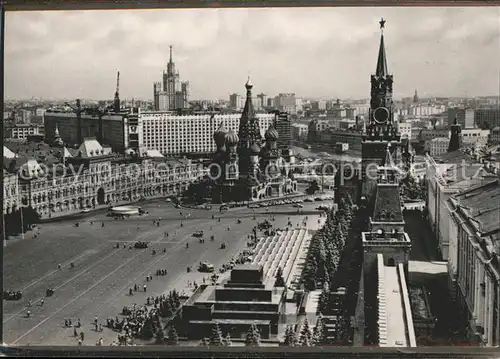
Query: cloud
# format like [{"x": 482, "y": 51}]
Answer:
[{"x": 314, "y": 52}]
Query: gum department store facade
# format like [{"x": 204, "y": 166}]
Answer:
[{"x": 68, "y": 181}]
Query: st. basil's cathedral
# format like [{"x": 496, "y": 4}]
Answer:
[{"x": 246, "y": 167}]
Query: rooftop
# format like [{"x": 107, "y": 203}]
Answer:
[
  {"x": 387, "y": 204},
  {"x": 457, "y": 172},
  {"x": 481, "y": 203},
  {"x": 395, "y": 322},
  {"x": 91, "y": 148},
  {"x": 453, "y": 157}
]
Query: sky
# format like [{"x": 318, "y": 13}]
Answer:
[{"x": 313, "y": 52}]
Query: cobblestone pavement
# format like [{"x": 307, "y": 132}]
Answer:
[{"x": 102, "y": 275}]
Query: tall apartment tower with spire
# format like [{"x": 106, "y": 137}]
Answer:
[
  {"x": 381, "y": 131},
  {"x": 170, "y": 93}
]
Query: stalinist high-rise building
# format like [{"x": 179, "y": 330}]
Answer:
[{"x": 171, "y": 93}]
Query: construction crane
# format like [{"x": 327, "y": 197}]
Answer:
[
  {"x": 78, "y": 110},
  {"x": 99, "y": 112},
  {"x": 116, "y": 102}
]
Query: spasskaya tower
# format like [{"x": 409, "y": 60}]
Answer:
[{"x": 381, "y": 131}]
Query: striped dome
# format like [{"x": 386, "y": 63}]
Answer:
[
  {"x": 231, "y": 138},
  {"x": 271, "y": 134}
]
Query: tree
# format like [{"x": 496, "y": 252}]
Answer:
[
  {"x": 305, "y": 334},
  {"x": 176, "y": 299},
  {"x": 290, "y": 338},
  {"x": 216, "y": 338},
  {"x": 14, "y": 224},
  {"x": 165, "y": 309},
  {"x": 205, "y": 342},
  {"x": 322, "y": 338},
  {"x": 324, "y": 299},
  {"x": 147, "y": 331},
  {"x": 317, "y": 332},
  {"x": 253, "y": 336},
  {"x": 280, "y": 282},
  {"x": 313, "y": 187},
  {"x": 160, "y": 336},
  {"x": 173, "y": 337},
  {"x": 227, "y": 340}
]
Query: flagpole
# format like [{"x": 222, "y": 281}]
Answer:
[
  {"x": 22, "y": 223},
  {"x": 3, "y": 230}
]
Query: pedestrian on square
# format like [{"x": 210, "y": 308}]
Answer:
[
  {"x": 130, "y": 291},
  {"x": 82, "y": 335},
  {"x": 75, "y": 333},
  {"x": 41, "y": 302},
  {"x": 79, "y": 342},
  {"x": 144, "y": 287},
  {"x": 59, "y": 266}
]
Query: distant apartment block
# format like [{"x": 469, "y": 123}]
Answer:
[
  {"x": 495, "y": 136},
  {"x": 404, "y": 128},
  {"x": 173, "y": 134},
  {"x": 299, "y": 131},
  {"x": 475, "y": 136},
  {"x": 286, "y": 102},
  {"x": 438, "y": 146},
  {"x": 23, "y": 130},
  {"x": 464, "y": 116},
  {"x": 489, "y": 116}
]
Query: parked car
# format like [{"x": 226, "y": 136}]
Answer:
[{"x": 206, "y": 267}]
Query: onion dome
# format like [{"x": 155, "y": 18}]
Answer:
[
  {"x": 255, "y": 149},
  {"x": 220, "y": 136},
  {"x": 231, "y": 139},
  {"x": 271, "y": 134}
]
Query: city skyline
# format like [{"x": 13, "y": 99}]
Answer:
[{"x": 323, "y": 53}]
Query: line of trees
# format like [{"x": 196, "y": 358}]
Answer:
[
  {"x": 327, "y": 245},
  {"x": 14, "y": 224},
  {"x": 218, "y": 339},
  {"x": 410, "y": 189},
  {"x": 307, "y": 338},
  {"x": 153, "y": 327}
]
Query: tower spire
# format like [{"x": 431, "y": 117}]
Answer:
[
  {"x": 455, "y": 137},
  {"x": 170, "y": 54},
  {"x": 381, "y": 61},
  {"x": 116, "y": 103}
]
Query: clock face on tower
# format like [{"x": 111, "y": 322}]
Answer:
[{"x": 381, "y": 115}]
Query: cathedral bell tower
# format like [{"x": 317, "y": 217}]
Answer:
[{"x": 381, "y": 129}]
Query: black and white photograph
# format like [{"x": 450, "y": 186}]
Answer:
[{"x": 252, "y": 177}]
